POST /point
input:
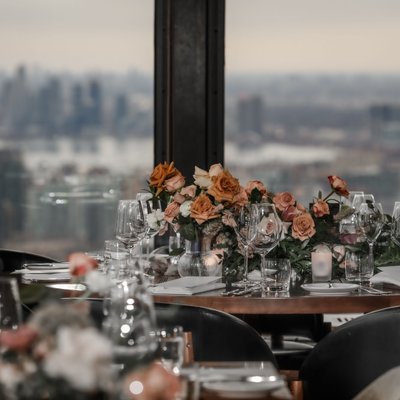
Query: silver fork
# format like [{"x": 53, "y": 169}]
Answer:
[{"x": 372, "y": 290}]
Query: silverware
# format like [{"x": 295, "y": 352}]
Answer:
[{"x": 372, "y": 290}]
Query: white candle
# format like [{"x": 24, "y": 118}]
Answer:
[{"x": 321, "y": 266}]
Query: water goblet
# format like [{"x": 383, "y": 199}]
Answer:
[
  {"x": 360, "y": 198},
  {"x": 268, "y": 230},
  {"x": 131, "y": 225},
  {"x": 245, "y": 229},
  {"x": 370, "y": 220}
]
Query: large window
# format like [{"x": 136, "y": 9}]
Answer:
[
  {"x": 313, "y": 89},
  {"x": 76, "y": 119}
]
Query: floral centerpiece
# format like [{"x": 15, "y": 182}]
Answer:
[{"x": 206, "y": 206}]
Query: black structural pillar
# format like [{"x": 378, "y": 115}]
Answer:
[{"x": 189, "y": 83}]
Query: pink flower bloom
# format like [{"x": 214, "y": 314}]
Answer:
[
  {"x": 80, "y": 264},
  {"x": 283, "y": 200}
]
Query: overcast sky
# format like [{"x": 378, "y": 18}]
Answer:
[{"x": 262, "y": 35}]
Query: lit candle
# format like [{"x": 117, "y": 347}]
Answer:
[{"x": 321, "y": 266}]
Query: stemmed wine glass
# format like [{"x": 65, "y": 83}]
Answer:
[
  {"x": 370, "y": 220},
  {"x": 150, "y": 205},
  {"x": 131, "y": 225},
  {"x": 395, "y": 226},
  {"x": 245, "y": 229},
  {"x": 360, "y": 198},
  {"x": 268, "y": 230}
]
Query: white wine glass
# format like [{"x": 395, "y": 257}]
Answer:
[
  {"x": 360, "y": 198},
  {"x": 245, "y": 229},
  {"x": 131, "y": 225},
  {"x": 268, "y": 231},
  {"x": 370, "y": 221},
  {"x": 395, "y": 225}
]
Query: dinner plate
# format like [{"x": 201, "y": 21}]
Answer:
[
  {"x": 56, "y": 277},
  {"x": 240, "y": 390},
  {"x": 329, "y": 288}
]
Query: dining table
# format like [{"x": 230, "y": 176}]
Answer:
[{"x": 296, "y": 301}]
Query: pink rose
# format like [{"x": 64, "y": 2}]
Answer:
[
  {"x": 241, "y": 198},
  {"x": 175, "y": 183},
  {"x": 171, "y": 211},
  {"x": 20, "y": 339},
  {"x": 179, "y": 198},
  {"x": 283, "y": 200},
  {"x": 290, "y": 213},
  {"x": 80, "y": 264}
]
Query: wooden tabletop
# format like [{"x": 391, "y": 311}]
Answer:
[{"x": 297, "y": 301}]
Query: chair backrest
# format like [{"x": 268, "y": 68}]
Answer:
[
  {"x": 11, "y": 260},
  {"x": 217, "y": 336},
  {"x": 352, "y": 356}
]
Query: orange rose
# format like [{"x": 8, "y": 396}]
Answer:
[
  {"x": 320, "y": 208},
  {"x": 283, "y": 200},
  {"x": 160, "y": 174},
  {"x": 225, "y": 187},
  {"x": 175, "y": 183},
  {"x": 171, "y": 211},
  {"x": 202, "y": 209},
  {"x": 303, "y": 227},
  {"x": 255, "y": 184},
  {"x": 338, "y": 185},
  {"x": 241, "y": 199},
  {"x": 80, "y": 264}
]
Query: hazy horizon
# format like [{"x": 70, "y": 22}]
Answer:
[{"x": 309, "y": 36}]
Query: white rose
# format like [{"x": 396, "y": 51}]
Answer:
[{"x": 184, "y": 209}]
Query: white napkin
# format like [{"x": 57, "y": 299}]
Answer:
[{"x": 390, "y": 275}]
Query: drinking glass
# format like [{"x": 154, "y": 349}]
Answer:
[
  {"x": 150, "y": 205},
  {"x": 171, "y": 348},
  {"x": 245, "y": 229},
  {"x": 130, "y": 324},
  {"x": 276, "y": 275},
  {"x": 348, "y": 201},
  {"x": 370, "y": 220},
  {"x": 362, "y": 198},
  {"x": 268, "y": 230},
  {"x": 10, "y": 304},
  {"x": 131, "y": 225}
]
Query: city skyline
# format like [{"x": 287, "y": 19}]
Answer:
[{"x": 306, "y": 36}]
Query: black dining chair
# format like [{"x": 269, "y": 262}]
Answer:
[
  {"x": 11, "y": 260},
  {"x": 352, "y": 356},
  {"x": 216, "y": 335}
]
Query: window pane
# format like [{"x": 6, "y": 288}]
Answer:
[
  {"x": 76, "y": 119},
  {"x": 313, "y": 89}
]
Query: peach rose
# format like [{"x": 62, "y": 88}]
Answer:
[
  {"x": 338, "y": 185},
  {"x": 189, "y": 191},
  {"x": 202, "y": 209},
  {"x": 80, "y": 264},
  {"x": 171, "y": 211},
  {"x": 160, "y": 174},
  {"x": 175, "y": 183},
  {"x": 225, "y": 187},
  {"x": 320, "y": 208},
  {"x": 203, "y": 178},
  {"x": 179, "y": 198},
  {"x": 303, "y": 227},
  {"x": 255, "y": 184}
]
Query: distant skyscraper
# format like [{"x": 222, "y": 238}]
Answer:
[
  {"x": 385, "y": 125},
  {"x": 94, "y": 111},
  {"x": 250, "y": 115}
]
